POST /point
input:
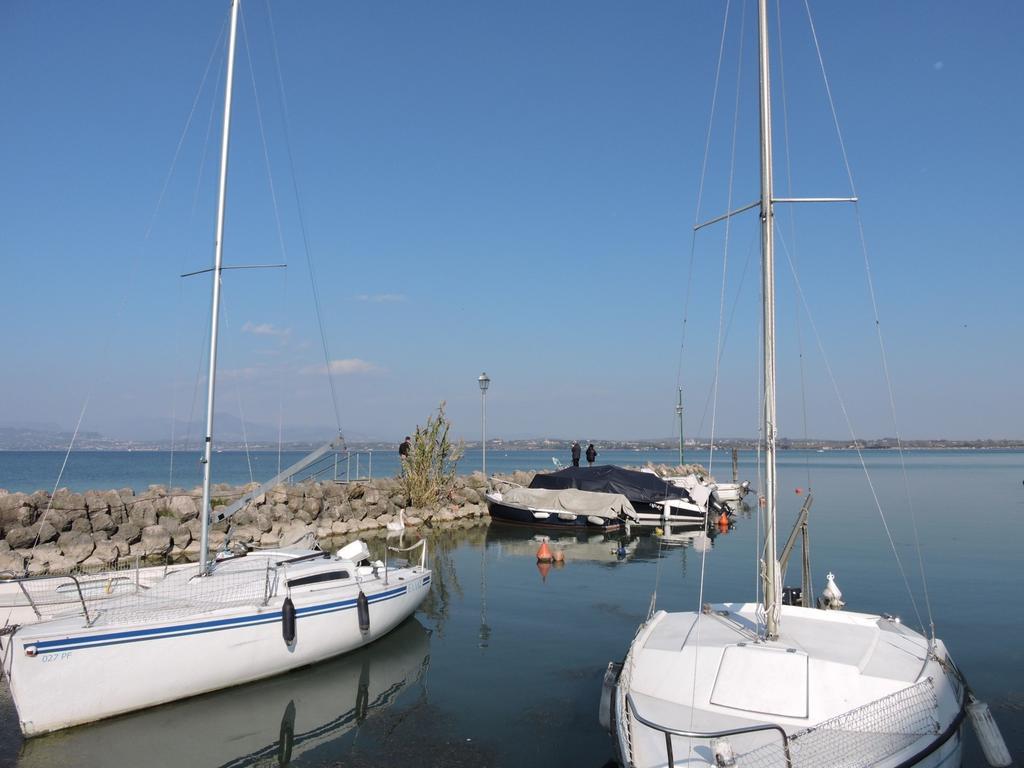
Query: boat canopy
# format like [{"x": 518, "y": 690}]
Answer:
[
  {"x": 607, "y": 505},
  {"x": 638, "y": 487}
]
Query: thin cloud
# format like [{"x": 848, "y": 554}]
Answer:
[
  {"x": 347, "y": 367},
  {"x": 381, "y": 298},
  {"x": 264, "y": 329}
]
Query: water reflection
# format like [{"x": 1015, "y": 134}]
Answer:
[{"x": 267, "y": 723}]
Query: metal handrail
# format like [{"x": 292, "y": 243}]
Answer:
[{"x": 670, "y": 732}]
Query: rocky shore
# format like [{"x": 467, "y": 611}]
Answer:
[{"x": 100, "y": 529}]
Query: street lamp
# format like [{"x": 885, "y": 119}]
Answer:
[
  {"x": 679, "y": 413},
  {"x": 484, "y": 381}
]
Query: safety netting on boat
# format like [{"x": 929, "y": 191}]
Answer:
[
  {"x": 186, "y": 592},
  {"x": 859, "y": 738}
]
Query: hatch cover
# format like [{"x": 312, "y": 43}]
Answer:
[{"x": 757, "y": 678}]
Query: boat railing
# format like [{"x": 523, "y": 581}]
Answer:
[
  {"x": 707, "y": 735},
  {"x": 67, "y": 586},
  {"x": 421, "y": 544}
]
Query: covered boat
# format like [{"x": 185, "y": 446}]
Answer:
[
  {"x": 653, "y": 498},
  {"x": 565, "y": 508}
]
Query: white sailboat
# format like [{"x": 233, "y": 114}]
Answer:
[
  {"x": 751, "y": 684},
  {"x": 229, "y": 621}
]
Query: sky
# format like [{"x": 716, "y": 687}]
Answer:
[{"x": 511, "y": 188}]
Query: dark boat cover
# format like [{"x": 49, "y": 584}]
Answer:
[{"x": 638, "y": 487}]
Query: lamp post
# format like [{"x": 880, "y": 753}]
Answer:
[
  {"x": 484, "y": 381},
  {"x": 679, "y": 413}
]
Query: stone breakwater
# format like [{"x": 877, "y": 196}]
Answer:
[{"x": 100, "y": 529}]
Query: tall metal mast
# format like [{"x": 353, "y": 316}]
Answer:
[
  {"x": 771, "y": 566},
  {"x": 215, "y": 311}
]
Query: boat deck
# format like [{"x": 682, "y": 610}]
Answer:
[{"x": 710, "y": 672}]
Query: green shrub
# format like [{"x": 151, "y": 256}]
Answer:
[{"x": 428, "y": 472}]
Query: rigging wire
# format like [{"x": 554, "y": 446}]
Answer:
[
  {"x": 792, "y": 233},
  {"x": 302, "y": 222},
  {"x": 849, "y": 426},
  {"x": 725, "y": 256},
  {"x": 132, "y": 272},
  {"x": 725, "y": 244},
  {"x": 181, "y": 286},
  {"x": 878, "y": 322},
  {"x": 700, "y": 196}
]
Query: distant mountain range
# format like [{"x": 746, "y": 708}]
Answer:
[{"x": 230, "y": 435}]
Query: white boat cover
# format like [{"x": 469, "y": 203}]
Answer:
[
  {"x": 606, "y": 505},
  {"x": 699, "y": 491}
]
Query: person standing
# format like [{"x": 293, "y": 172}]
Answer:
[
  {"x": 591, "y": 455},
  {"x": 404, "y": 448},
  {"x": 576, "y": 453}
]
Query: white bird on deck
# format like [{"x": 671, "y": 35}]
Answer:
[{"x": 397, "y": 526}]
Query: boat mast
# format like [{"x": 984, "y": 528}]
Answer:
[
  {"x": 771, "y": 566},
  {"x": 215, "y": 311}
]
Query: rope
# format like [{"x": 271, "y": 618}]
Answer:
[{"x": 878, "y": 323}]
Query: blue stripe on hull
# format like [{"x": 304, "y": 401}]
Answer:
[{"x": 139, "y": 635}]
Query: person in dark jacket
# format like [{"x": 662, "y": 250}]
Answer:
[
  {"x": 591, "y": 455},
  {"x": 576, "y": 453},
  {"x": 404, "y": 448}
]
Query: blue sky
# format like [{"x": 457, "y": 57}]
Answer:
[{"x": 509, "y": 188}]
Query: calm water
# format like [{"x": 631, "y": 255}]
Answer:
[
  {"x": 90, "y": 470},
  {"x": 503, "y": 665}
]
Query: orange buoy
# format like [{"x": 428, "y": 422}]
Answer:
[
  {"x": 544, "y": 554},
  {"x": 558, "y": 556},
  {"x": 798, "y": 491},
  {"x": 723, "y": 519},
  {"x": 723, "y": 527}
]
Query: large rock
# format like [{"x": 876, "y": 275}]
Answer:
[
  {"x": 143, "y": 513},
  {"x": 47, "y": 532},
  {"x": 130, "y": 532},
  {"x": 106, "y": 552},
  {"x": 58, "y": 519},
  {"x": 184, "y": 508},
  {"x": 245, "y": 533},
  {"x": 19, "y": 536},
  {"x": 9, "y": 502},
  {"x": 294, "y": 532},
  {"x": 103, "y": 522},
  {"x": 76, "y": 545},
  {"x": 182, "y": 537},
  {"x": 115, "y": 505},
  {"x": 264, "y": 520},
  {"x": 82, "y": 525},
  {"x": 95, "y": 502},
  {"x": 155, "y": 541},
  {"x": 65, "y": 499},
  {"x": 12, "y": 563}
]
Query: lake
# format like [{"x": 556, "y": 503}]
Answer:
[{"x": 503, "y": 664}]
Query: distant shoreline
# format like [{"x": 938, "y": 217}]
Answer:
[{"x": 231, "y": 447}]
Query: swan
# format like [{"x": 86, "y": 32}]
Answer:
[{"x": 397, "y": 526}]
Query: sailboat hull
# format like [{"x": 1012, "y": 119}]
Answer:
[
  {"x": 849, "y": 690},
  {"x": 63, "y": 674}
]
